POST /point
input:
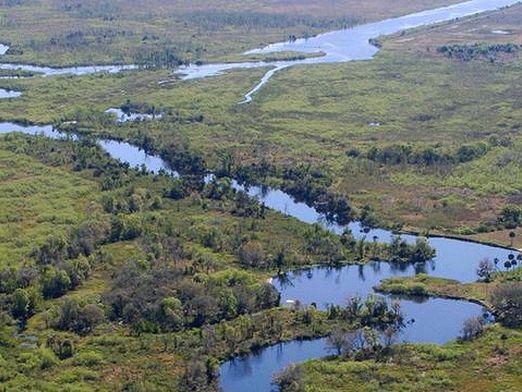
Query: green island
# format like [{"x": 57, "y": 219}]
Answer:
[
  {"x": 483, "y": 359},
  {"x": 357, "y": 226}
]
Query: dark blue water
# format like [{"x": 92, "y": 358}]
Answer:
[
  {"x": 436, "y": 320},
  {"x": 456, "y": 259},
  {"x": 136, "y": 157},
  {"x": 124, "y": 152},
  {"x": 254, "y": 373}
]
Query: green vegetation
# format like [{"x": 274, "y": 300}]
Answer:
[
  {"x": 114, "y": 279},
  {"x": 458, "y": 175},
  {"x": 157, "y": 264},
  {"x": 37, "y": 200},
  {"x": 166, "y": 33},
  {"x": 484, "y": 358},
  {"x": 490, "y": 362},
  {"x": 425, "y": 285},
  {"x": 477, "y": 51}
]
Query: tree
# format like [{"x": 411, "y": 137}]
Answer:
[
  {"x": 507, "y": 302},
  {"x": 66, "y": 349},
  {"x": 54, "y": 282},
  {"x": 78, "y": 270},
  {"x": 353, "y": 308},
  {"x": 252, "y": 255},
  {"x": 227, "y": 303},
  {"x": 485, "y": 269},
  {"x": 422, "y": 251},
  {"x": 389, "y": 335},
  {"x": 91, "y": 315},
  {"x": 511, "y": 216},
  {"x": 20, "y": 304},
  {"x": 279, "y": 260},
  {"x": 51, "y": 252},
  {"x": 473, "y": 327},
  {"x": 171, "y": 314},
  {"x": 290, "y": 379},
  {"x": 71, "y": 316},
  {"x": 354, "y": 342},
  {"x": 200, "y": 375}
]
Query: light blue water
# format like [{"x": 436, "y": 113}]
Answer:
[
  {"x": 436, "y": 320},
  {"x": 9, "y": 93},
  {"x": 342, "y": 45}
]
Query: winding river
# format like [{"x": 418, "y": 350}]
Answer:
[
  {"x": 343, "y": 45},
  {"x": 435, "y": 320},
  {"x": 432, "y": 319}
]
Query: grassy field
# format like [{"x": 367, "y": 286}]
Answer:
[
  {"x": 56, "y": 32},
  {"x": 490, "y": 363},
  {"x": 36, "y": 201},
  {"x": 317, "y": 114}
]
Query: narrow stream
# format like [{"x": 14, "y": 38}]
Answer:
[{"x": 78, "y": 71}]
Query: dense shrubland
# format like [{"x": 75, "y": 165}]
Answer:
[
  {"x": 128, "y": 211},
  {"x": 398, "y": 154},
  {"x": 477, "y": 51},
  {"x": 167, "y": 298}
]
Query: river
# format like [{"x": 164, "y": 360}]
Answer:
[
  {"x": 435, "y": 320},
  {"x": 342, "y": 45}
]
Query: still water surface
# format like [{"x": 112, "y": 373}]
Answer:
[{"x": 435, "y": 320}]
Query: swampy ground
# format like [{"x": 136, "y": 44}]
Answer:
[
  {"x": 114, "y": 279},
  {"x": 330, "y": 117}
]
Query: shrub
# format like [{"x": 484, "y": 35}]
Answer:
[
  {"x": 88, "y": 359},
  {"x": 72, "y": 316},
  {"x": 290, "y": 379},
  {"x": 507, "y": 303},
  {"x": 472, "y": 328}
]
